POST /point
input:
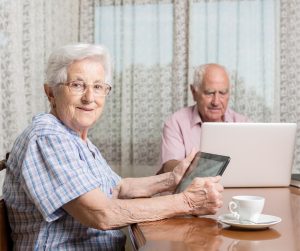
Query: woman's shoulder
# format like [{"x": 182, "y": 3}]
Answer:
[{"x": 47, "y": 124}]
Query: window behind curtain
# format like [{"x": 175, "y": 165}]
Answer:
[
  {"x": 138, "y": 34},
  {"x": 144, "y": 38},
  {"x": 243, "y": 36}
]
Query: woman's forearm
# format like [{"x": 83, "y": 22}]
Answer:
[
  {"x": 145, "y": 187},
  {"x": 125, "y": 212},
  {"x": 149, "y": 186},
  {"x": 95, "y": 210}
]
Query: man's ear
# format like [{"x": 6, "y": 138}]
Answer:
[{"x": 193, "y": 90}]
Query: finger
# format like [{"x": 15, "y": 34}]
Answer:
[
  {"x": 199, "y": 181},
  {"x": 115, "y": 192},
  {"x": 219, "y": 187},
  {"x": 214, "y": 204},
  {"x": 215, "y": 179},
  {"x": 216, "y": 185},
  {"x": 188, "y": 160},
  {"x": 191, "y": 155},
  {"x": 214, "y": 197}
]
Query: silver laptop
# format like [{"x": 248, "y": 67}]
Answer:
[{"x": 261, "y": 153}]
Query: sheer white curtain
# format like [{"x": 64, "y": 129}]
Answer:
[
  {"x": 243, "y": 36},
  {"x": 140, "y": 37},
  {"x": 290, "y": 68},
  {"x": 157, "y": 44},
  {"x": 29, "y": 30}
]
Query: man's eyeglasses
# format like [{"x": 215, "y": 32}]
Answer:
[{"x": 78, "y": 87}]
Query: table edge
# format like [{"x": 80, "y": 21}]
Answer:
[{"x": 136, "y": 236}]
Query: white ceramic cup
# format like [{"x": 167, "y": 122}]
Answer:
[{"x": 246, "y": 207}]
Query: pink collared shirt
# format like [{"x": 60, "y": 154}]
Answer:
[{"x": 182, "y": 132}]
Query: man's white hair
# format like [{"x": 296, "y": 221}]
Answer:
[{"x": 200, "y": 71}]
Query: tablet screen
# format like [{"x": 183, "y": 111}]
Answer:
[{"x": 204, "y": 165}]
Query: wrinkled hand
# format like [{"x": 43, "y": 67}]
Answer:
[
  {"x": 203, "y": 195},
  {"x": 145, "y": 187},
  {"x": 127, "y": 188},
  {"x": 180, "y": 170},
  {"x": 116, "y": 191}
]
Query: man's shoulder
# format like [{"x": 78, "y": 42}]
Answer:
[
  {"x": 185, "y": 112},
  {"x": 183, "y": 118}
]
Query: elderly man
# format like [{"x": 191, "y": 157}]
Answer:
[{"x": 182, "y": 130}]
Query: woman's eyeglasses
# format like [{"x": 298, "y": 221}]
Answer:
[{"x": 78, "y": 87}]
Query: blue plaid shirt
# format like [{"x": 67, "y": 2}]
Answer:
[{"x": 49, "y": 165}]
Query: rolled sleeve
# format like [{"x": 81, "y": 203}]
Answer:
[{"x": 172, "y": 146}]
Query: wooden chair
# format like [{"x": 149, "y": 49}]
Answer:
[{"x": 5, "y": 240}]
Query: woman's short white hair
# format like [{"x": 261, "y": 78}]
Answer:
[
  {"x": 60, "y": 59},
  {"x": 200, "y": 71}
]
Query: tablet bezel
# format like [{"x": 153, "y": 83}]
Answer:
[{"x": 194, "y": 166}]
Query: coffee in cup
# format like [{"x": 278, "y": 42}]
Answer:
[{"x": 246, "y": 207}]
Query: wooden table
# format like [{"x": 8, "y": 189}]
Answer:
[{"x": 206, "y": 233}]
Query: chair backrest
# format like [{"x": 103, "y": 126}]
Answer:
[
  {"x": 3, "y": 162},
  {"x": 5, "y": 239}
]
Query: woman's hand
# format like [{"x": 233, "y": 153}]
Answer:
[
  {"x": 180, "y": 169},
  {"x": 203, "y": 195},
  {"x": 144, "y": 187}
]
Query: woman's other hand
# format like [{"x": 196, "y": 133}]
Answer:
[
  {"x": 204, "y": 195},
  {"x": 182, "y": 167}
]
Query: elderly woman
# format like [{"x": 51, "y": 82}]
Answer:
[{"x": 60, "y": 192}]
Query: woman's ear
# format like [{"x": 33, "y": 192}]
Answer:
[{"x": 49, "y": 92}]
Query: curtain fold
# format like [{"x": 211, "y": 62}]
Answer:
[
  {"x": 180, "y": 60},
  {"x": 155, "y": 45},
  {"x": 29, "y": 30},
  {"x": 242, "y": 36},
  {"x": 290, "y": 68},
  {"x": 129, "y": 131}
]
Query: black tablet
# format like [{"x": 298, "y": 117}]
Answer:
[{"x": 203, "y": 165}]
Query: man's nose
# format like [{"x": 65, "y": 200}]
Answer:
[{"x": 215, "y": 99}]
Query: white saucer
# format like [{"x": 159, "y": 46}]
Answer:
[{"x": 264, "y": 221}]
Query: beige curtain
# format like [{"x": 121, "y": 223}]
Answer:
[
  {"x": 146, "y": 91},
  {"x": 290, "y": 68},
  {"x": 128, "y": 134},
  {"x": 143, "y": 94},
  {"x": 29, "y": 30}
]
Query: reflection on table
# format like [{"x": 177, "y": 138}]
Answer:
[{"x": 207, "y": 233}]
